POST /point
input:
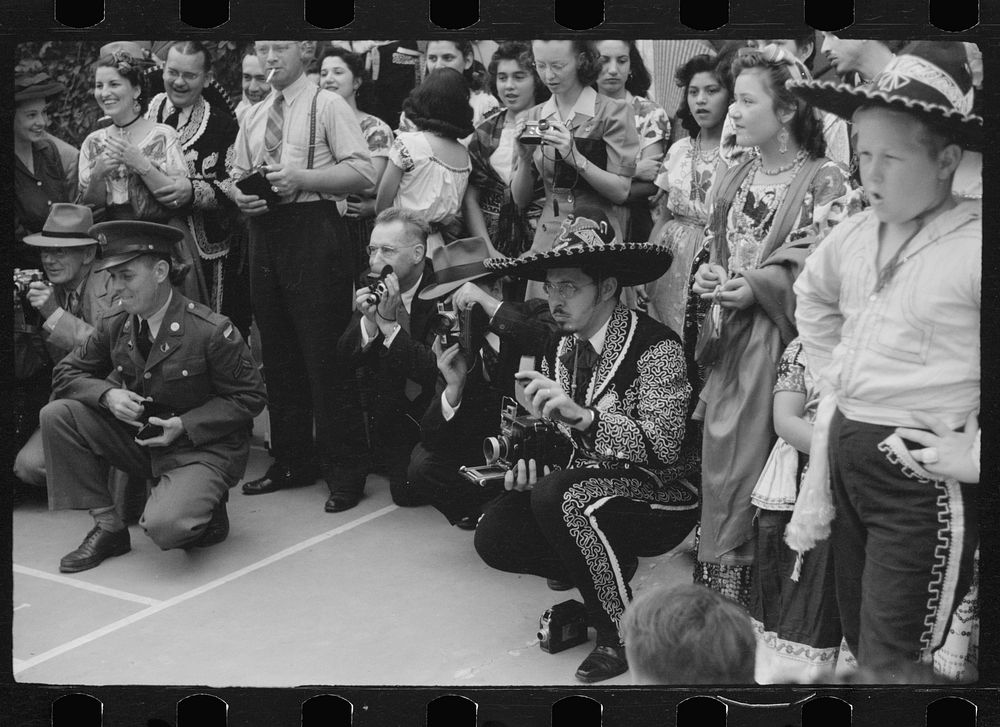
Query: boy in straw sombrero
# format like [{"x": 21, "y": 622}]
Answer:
[{"x": 889, "y": 310}]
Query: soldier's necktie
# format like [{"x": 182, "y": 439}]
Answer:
[
  {"x": 273, "y": 131},
  {"x": 142, "y": 339}
]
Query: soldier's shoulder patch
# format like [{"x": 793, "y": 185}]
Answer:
[
  {"x": 228, "y": 332},
  {"x": 243, "y": 367}
]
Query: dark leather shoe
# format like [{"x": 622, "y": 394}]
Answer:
[
  {"x": 469, "y": 522},
  {"x": 278, "y": 477},
  {"x": 217, "y": 529},
  {"x": 95, "y": 548},
  {"x": 603, "y": 663},
  {"x": 340, "y": 501},
  {"x": 557, "y": 585}
]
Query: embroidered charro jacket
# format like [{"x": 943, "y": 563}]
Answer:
[
  {"x": 640, "y": 392},
  {"x": 206, "y": 138}
]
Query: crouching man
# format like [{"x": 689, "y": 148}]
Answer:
[{"x": 163, "y": 388}]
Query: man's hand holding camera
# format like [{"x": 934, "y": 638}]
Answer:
[
  {"x": 284, "y": 180},
  {"x": 381, "y": 315},
  {"x": 471, "y": 294},
  {"x": 546, "y": 399},
  {"x": 250, "y": 204},
  {"x": 40, "y": 295},
  {"x": 454, "y": 367},
  {"x": 127, "y": 406}
]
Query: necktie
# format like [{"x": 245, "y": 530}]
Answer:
[
  {"x": 403, "y": 317},
  {"x": 173, "y": 117},
  {"x": 143, "y": 341},
  {"x": 581, "y": 362},
  {"x": 491, "y": 361},
  {"x": 73, "y": 303},
  {"x": 273, "y": 132}
]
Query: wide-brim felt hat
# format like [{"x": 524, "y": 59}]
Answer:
[
  {"x": 458, "y": 263},
  {"x": 929, "y": 79},
  {"x": 587, "y": 239},
  {"x": 68, "y": 225},
  {"x": 31, "y": 86},
  {"x": 124, "y": 240}
]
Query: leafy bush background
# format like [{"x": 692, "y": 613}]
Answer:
[{"x": 74, "y": 115}]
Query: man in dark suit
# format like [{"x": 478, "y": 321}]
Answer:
[
  {"x": 156, "y": 349},
  {"x": 466, "y": 408},
  {"x": 389, "y": 338},
  {"x": 68, "y": 305}
]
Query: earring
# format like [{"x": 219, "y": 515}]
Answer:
[
  {"x": 783, "y": 140},
  {"x": 135, "y": 105}
]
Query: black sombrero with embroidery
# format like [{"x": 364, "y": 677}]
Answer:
[
  {"x": 588, "y": 239},
  {"x": 930, "y": 79}
]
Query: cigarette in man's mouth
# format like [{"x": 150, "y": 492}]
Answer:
[{"x": 270, "y": 74}]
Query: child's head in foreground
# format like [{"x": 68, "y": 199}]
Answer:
[{"x": 688, "y": 634}]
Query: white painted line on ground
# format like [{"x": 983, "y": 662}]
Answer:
[
  {"x": 83, "y": 585},
  {"x": 23, "y": 605},
  {"x": 188, "y": 595}
]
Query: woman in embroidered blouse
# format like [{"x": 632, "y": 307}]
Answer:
[
  {"x": 624, "y": 76},
  {"x": 489, "y": 210},
  {"x": 588, "y": 152},
  {"x": 691, "y": 165},
  {"x": 428, "y": 169},
  {"x": 132, "y": 151},
  {"x": 343, "y": 72},
  {"x": 767, "y": 213}
]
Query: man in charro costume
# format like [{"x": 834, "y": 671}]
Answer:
[
  {"x": 616, "y": 383},
  {"x": 207, "y": 130}
]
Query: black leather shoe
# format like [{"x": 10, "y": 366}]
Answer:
[
  {"x": 557, "y": 585},
  {"x": 340, "y": 501},
  {"x": 469, "y": 522},
  {"x": 278, "y": 477},
  {"x": 217, "y": 529},
  {"x": 603, "y": 663},
  {"x": 95, "y": 548}
]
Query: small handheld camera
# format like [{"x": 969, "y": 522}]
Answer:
[
  {"x": 152, "y": 408},
  {"x": 562, "y": 627},
  {"x": 532, "y": 134},
  {"x": 256, "y": 184}
]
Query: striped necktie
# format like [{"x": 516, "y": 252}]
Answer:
[{"x": 273, "y": 132}]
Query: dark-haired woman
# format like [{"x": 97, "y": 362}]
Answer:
[
  {"x": 624, "y": 76},
  {"x": 588, "y": 150},
  {"x": 691, "y": 165},
  {"x": 768, "y": 212},
  {"x": 343, "y": 72},
  {"x": 489, "y": 210},
  {"x": 428, "y": 169}
]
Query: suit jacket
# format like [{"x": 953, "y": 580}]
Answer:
[
  {"x": 72, "y": 330},
  {"x": 199, "y": 367},
  {"x": 639, "y": 391},
  {"x": 524, "y": 329},
  {"x": 402, "y": 376}
]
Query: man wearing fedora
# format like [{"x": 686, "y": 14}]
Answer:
[
  {"x": 889, "y": 315},
  {"x": 615, "y": 382},
  {"x": 390, "y": 342},
  {"x": 466, "y": 406},
  {"x": 161, "y": 359},
  {"x": 69, "y": 302}
]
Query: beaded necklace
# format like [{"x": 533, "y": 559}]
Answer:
[{"x": 746, "y": 235}]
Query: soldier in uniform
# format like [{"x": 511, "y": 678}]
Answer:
[{"x": 161, "y": 357}]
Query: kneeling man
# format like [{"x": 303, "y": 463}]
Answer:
[{"x": 163, "y": 388}]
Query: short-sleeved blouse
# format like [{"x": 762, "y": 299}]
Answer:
[
  {"x": 161, "y": 146},
  {"x": 651, "y": 121},
  {"x": 378, "y": 136},
  {"x": 428, "y": 184}
]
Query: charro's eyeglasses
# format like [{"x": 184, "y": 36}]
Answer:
[{"x": 563, "y": 291}]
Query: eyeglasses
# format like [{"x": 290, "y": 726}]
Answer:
[
  {"x": 57, "y": 252},
  {"x": 563, "y": 291},
  {"x": 556, "y": 67},
  {"x": 386, "y": 250},
  {"x": 188, "y": 76}
]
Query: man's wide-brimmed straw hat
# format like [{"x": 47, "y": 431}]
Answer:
[
  {"x": 929, "y": 79},
  {"x": 588, "y": 239}
]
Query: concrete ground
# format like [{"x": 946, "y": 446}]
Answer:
[{"x": 377, "y": 595}]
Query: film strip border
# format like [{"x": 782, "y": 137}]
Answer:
[
  {"x": 159, "y": 706},
  {"x": 627, "y": 708},
  {"x": 545, "y": 17}
]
